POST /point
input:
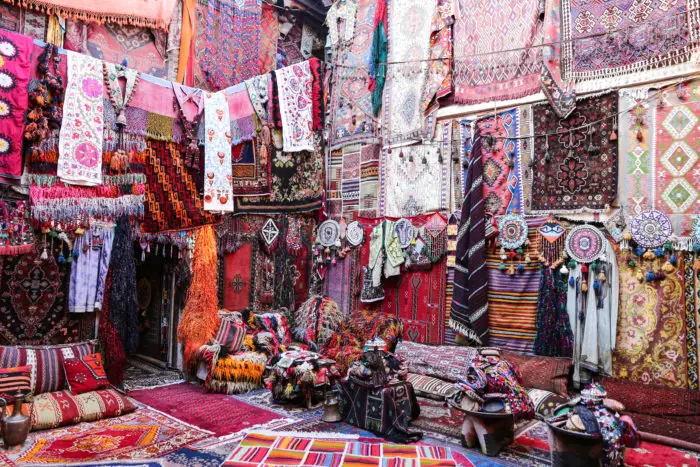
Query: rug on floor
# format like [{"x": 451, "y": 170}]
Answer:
[
  {"x": 144, "y": 434},
  {"x": 263, "y": 398},
  {"x": 218, "y": 413},
  {"x": 435, "y": 417},
  {"x": 140, "y": 374}
]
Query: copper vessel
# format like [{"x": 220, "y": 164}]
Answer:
[{"x": 15, "y": 428}]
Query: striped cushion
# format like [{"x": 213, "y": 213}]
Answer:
[
  {"x": 230, "y": 335},
  {"x": 430, "y": 387},
  {"x": 46, "y": 362},
  {"x": 15, "y": 379}
]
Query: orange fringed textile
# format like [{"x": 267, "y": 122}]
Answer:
[
  {"x": 200, "y": 318},
  {"x": 187, "y": 32}
]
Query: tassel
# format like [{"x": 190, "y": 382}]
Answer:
[
  {"x": 584, "y": 286},
  {"x": 668, "y": 267},
  {"x": 44, "y": 254},
  {"x": 572, "y": 264},
  {"x": 640, "y": 276},
  {"x": 631, "y": 263},
  {"x": 674, "y": 259},
  {"x": 613, "y": 135},
  {"x": 649, "y": 255},
  {"x": 572, "y": 281},
  {"x": 640, "y": 136},
  {"x": 658, "y": 252},
  {"x": 584, "y": 269},
  {"x": 596, "y": 285},
  {"x": 564, "y": 270},
  {"x": 650, "y": 276},
  {"x": 511, "y": 270},
  {"x": 602, "y": 277},
  {"x": 521, "y": 268},
  {"x": 502, "y": 266}
]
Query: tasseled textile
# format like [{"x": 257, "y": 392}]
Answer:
[{"x": 123, "y": 303}]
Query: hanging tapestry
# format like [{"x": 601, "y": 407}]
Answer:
[
  {"x": 297, "y": 183},
  {"x": 241, "y": 113},
  {"x": 369, "y": 180},
  {"x": 15, "y": 69},
  {"x": 502, "y": 167},
  {"x": 452, "y": 227},
  {"x": 81, "y": 136},
  {"x": 525, "y": 148},
  {"x": 470, "y": 302},
  {"x": 413, "y": 181},
  {"x": 173, "y": 41},
  {"x": 559, "y": 92},
  {"x": 294, "y": 86},
  {"x": 439, "y": 81},
  {"x": 334, "y": 200},
  {"x": 512, "y": 298},
  {"x": 609, "y": 40},
  {"x": 409, "y": 43},
  {"x": 173, "y": 200},
  {"x": 259, "y": 93},
  {"x": 226, "y": 49},
  {"x": 239, "y": 275},
  {"x": 576, "y": 168},
  {"x": 448, "y": 132},
  {"x": 143, "y": 49},
  {"x": 20, "y": 20},
  {"x": 466, "y": 141},
  {"x": 651, "y": 330},
  {"x": 338, "y": 284},
  {"x": 218, "y": 179},
  {"x": 691, "y": 318},
  {"x": 269, "y": 38},
  {"x": 352, "y": 120},
  {"x": 251, "y": 168},
  {"x": 350, "y": 185},
  {"x": 485, "y": 29}
]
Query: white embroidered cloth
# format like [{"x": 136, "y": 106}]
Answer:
[
  {"x": 294, "y": 87},
  {"x": 218, "y": 175}
]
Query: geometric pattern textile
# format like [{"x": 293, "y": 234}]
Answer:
[
  {"x": 575, "y": 168},
  {"x": 60, "y": 408},
  {"x": 251, "y": 168}
]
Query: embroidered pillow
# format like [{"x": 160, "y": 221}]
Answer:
[
  {"x": 85, "y": 374},
  {"x": 431, "y": 387},
  {"x": 548, "y": 373},
  {"x": 230, "y": 335},
  {"x": 14, "y": 379},
  {"x": 545, "y": 402}
]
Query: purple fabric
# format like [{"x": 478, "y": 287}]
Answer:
[{"x": 91, "y": 253}]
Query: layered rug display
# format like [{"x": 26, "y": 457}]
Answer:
[{"x": 140, "y": 374}]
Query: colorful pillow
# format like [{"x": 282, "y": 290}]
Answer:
[
  {"x": 545, "y": 402},
  {"x": 15, "y": 379},
  {"x": 316, "y": 320},
  {"x": 448, "y": 362},
  {"x": 46, "y": 361},
  {"x": 431, "y": 387},
  {"x": 85, "y": 374},
  {"x": 230, "y": 335},
  {"x": 548, "y": 373},
  {"x": 60, "y": 408}
]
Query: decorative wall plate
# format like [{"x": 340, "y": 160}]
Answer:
[
  {"x": 512, "y": 231},
  {"x": 651, "y": 228},
  {"x": 354, "y": 234},
  {"x": 328, "y": 233},
  {"x": 585, "y": 243},
  {"x": 405, "y": 232}
]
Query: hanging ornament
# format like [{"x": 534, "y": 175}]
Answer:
[
  {"x": 584, "y": 243},
  {"x": 405, "y": 232},
  {"x": 328, "y": 233},
  {"x": 651, "y": 228},
  {"x": 354, "y": 234},
  {"x": 269, "y": 234},
  {"x": 551, "y": 235},
  {"x": 512, "y": 235}
]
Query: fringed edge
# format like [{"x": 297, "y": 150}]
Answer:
[
  {"x": 141, "y": 388},
  {"x": 461, "y": 99},
  {"x": 107, "y": 180},
  {"x": 682, "y": 243},
  {"x": 242, "y": 129},
  {"x": 93, "y": 17},
  {"x": 229, "y": 387},
  {"x": 69, "y": 209},
  {"x": 15, "y": 250},
  {"x": 465, "y": 331}
]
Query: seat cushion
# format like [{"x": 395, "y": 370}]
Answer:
[
  {"x": 230, "y": 335},
  {"x": 18, "y": 378},
  {"x": 60, "y": 408},
  {"x": 447, "y": 362},
  {"x": 431, "y": 387},
  {"x": 547, "y": 373}
]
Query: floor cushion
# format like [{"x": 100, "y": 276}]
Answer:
[
  {"x": 547, "y": 373},
  {"x": 238, "y": 373},
  {"x": 431, "y": 387},
  {"x": 46, "y": 361},
  {"x": 545, "y": 402},
  {"x": 60, "y": 408},
  {"x": 448, "y": 362},
  {"x": 18, "y": 378}
]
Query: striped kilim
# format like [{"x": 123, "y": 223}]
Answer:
[{"x": 266, "y": 448}]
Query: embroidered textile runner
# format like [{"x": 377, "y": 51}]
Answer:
[
  {"x": 151, "y": 14},
  {"x": 483, "y": 30},
  {"x": 81, "y": 136},
  {"x": 218, "y": 178},
  {"x": 294, "y": 85},
  {"x": 15, "y": 60},
  {"x": 269, "y": 38},
  {"x": 614, "y": 39},
  {"x": 409, "y": 42},
  {"x": 351, "y": 99},
  {"x": 576, "y": 168}
]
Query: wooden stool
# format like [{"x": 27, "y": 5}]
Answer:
[
  {"x": 492, "y": 431},
  {"x": 575, "y": 449}
]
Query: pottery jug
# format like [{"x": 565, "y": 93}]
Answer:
[{"x": 15, "y": 428}]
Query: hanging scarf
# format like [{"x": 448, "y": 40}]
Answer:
[
  {"x": 380, "y": 52},
  {"x": 469, "y": 303},
  {"x": 218, "y": 176},
  {"x": 554, "y": 337},
  {"x": 123, "y": 304},
  {"x": 81, "y": 136},
  {"x": 294, "y": 84},
  {"x": 560, "y": 94},
  {"x": 15, "y": 60},
  {"x": 257, "y": 91},
  {"x": 190, "y": 103}
]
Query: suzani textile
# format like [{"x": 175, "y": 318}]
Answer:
[
  {"x": 218, "y": 178},
  {"x": 173, "y": 200},
  {"x": 576, "y": 168},
  {"x": 651, "y": 330},
  {"x": 15, "y": 58},
  {"x": 294, "y": 85},
  {"x": 228, "y": 37},
  {"x": 414, "y": 181},
  {"x": 81, "y": 136},
  {"x": 351, "y": 99},
  {"x": 655, "y": 38},
  {"x": 482, "y": 31},
  {"x": 409, "y": 39}
]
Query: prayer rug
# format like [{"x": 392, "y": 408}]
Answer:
[
  {"x": 351, "y": 99},
  {"x": 297, "y": 184},
  {"x": 502, "y": 167},
  {"x": 251, "y": 168},
  {"x": 483, "y": 72},
  {"x": 143, "y": 49},
  {"x": 261, "y": 448},
  {"x": 408, "y": 32},
  {"x": 610, "y": 40},
  {"x": 651, "y": 330},
  {"x": 228, "y": 36},
  {"x": 512, "y": 298},
  {"x": 269, "y": 38},
  {"x": 145, "y": 433},
  {"x": 191, "y": 404},
  {"x": 576, "y": 169},
  {"x": 413, "y": 181},
  {"x": 369, "y": 180},
  {"x": 239, "y": 274},
  {"x": 15, "y": 69},
  {"x": 172, "y": 190}
]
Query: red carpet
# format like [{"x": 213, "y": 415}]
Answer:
[{"x": 218, "y": 413}]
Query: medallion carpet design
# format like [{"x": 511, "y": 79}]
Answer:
[{"x": 217, "y": 413}]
